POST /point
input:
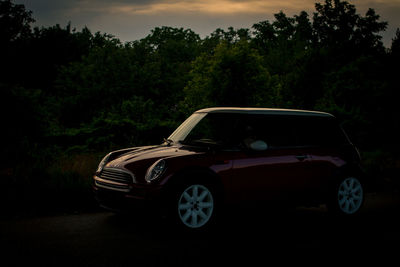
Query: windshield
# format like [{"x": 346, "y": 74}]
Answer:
[
  {"x": 184, "y": 129},
  {"x": 207, "y": 128}
]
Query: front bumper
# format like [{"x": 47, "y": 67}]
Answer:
[{"x": 138, "y": 198}]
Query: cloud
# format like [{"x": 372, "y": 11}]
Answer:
[
  {"x": 127, "y": 18},
  {"x": 216, "y": 7},
  {"x": 160, "y": 7},
  {"x": 156, "y": 7},
  {"x": 133, "y": 19}
]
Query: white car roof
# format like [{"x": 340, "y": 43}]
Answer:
[{"x": 265, "y": 111}]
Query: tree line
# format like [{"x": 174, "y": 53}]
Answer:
[{"x": 68, "y": 91}]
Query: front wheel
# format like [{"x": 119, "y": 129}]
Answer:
[
  {"x": 192, "y": 203},
  {"x": 348, "y": 196},
  {"x": 195, "y": 206}
]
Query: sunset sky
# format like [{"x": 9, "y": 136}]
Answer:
[{"x": 131, "y": 20}]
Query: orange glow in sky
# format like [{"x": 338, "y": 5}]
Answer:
[
  {"x": 209, "y": 7},
  {"x": 134, "y": 19}
]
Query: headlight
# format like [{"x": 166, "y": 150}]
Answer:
[
  {"x": 103, "y": 162},
  {"x": 155, "y": 170}
]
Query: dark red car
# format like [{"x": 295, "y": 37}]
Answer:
[{"x": 234, "y": 156}]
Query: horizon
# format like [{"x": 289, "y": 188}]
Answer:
[{"x": 130, "y": 20}]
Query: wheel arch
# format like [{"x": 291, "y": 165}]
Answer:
[
  {"x": 196, "y": 172},
  {"x": 338, "y": 175},
  {"x": 348, "y": 170}
]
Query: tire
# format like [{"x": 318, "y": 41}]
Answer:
[
  {"x": 347, "y": 197},
  {"x": 193, "y": 207}
]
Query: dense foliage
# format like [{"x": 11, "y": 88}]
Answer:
[{"x": 68, "y": 93}]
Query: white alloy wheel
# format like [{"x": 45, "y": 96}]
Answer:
[
  {"x": 195, "y": 206},
  {"x": 350, "y": 195}
]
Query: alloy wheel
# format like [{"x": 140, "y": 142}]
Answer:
[
  {"x": 195, "y": 206},
  {"x": 350, "y": 195}
]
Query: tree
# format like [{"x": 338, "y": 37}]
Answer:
[
  {"x": 168, "y": 63},
  {"x": 147, "y": 73},
  {"x": 395, "y": 47},
  {"x": 15, "y": 22},
  {"x": 50, "y": 48},
  {"x": 101, "y": 79},
  {"x": 337, "y": 26},
  {"x": 284, "y": 41},
  {"x": 231, "y": 76},
  {"x": 15, "y": 29}
]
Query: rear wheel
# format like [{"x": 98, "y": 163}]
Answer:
[{"x": 348, "y": 196}]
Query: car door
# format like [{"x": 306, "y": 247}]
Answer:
[
  {"x": 275, "y": 173},
  {"x": 320, "y": 139}
]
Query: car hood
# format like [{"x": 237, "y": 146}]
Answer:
[{"x": 143, "y": 155}]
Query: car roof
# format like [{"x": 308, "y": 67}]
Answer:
[{"x": 265, "y": 111}]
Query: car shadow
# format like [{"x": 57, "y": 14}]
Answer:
[
  {"x": 248, "y": 236},
  {"x": 295, "y": 227}
]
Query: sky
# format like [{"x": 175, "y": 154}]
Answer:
[{"x": 131, "y": 20}]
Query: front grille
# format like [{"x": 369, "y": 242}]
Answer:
[
  {"x": 116, "y": 175},
  {"x": 115, "y": 179}
]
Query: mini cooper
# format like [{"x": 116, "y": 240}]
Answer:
[{"x": 236, "y": 157}]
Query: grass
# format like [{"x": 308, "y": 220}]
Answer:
[{"x": 63, "y": 185}]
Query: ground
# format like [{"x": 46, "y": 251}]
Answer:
[{"x": 302, "y": 234}]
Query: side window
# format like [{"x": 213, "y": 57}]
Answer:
[
  {"x": 334, "y": 134},
  {"x": 317, "y": 131},
  {"x": 245, "y": 130},
  {"x": 275, "y": 131},
  {"x": 304, "y": 130},
  {"x": 278, "y": 131}
]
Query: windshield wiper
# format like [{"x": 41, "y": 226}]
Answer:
[
  {"x": 168, "y": 141},
  {"x": 199, "y": 142}
]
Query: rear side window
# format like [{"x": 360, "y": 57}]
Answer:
[{"x": 318, "y": 131}]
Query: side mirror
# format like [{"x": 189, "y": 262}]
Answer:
[{"x": 258, "y": 145}]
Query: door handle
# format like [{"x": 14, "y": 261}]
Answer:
[
  {"x": 301, "y": 157},
  {"x": 222, "y": 162}
]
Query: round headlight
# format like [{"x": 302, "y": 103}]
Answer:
[
  {"x": 102, "y": 163},
  {"x": 155, "y": 170}
]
